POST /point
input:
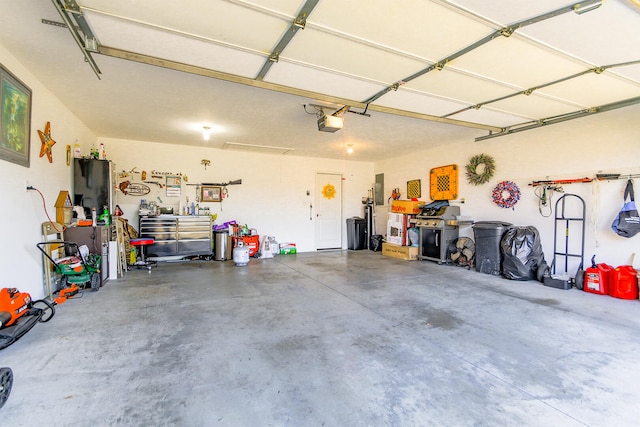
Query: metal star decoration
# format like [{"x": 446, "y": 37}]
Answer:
[{"x": 47, "y": 142}]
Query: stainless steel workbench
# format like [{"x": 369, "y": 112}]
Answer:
[{"x": 178, "y": 234}]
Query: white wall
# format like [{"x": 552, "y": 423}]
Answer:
[
  {"x": 23, "y": 212},
  {"x": 606, "y": 142},
  {"x": 272, "y": 197}
]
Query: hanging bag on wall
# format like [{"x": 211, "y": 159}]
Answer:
[{"x": 627, "y": 223}]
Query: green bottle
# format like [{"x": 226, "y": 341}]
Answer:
[{"x": 105, "y": 217}]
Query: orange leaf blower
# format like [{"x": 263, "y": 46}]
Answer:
[
  {"x": 13, "y": 305},
  {"x": 18, "y": 314}
]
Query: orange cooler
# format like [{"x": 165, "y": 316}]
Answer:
[{"x": 624, "y": 282}]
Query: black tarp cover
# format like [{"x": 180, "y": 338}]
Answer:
[{"x": 522, "y": 252}]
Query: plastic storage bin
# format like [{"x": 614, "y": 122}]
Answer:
[
  {"x": 356, "y": 233},
  {"x": 487, "y": 235}
]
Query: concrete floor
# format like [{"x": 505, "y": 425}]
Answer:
[{"x": 347, "y": 338}]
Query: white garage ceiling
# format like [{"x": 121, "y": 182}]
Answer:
[{"x": 422, "y": 72}]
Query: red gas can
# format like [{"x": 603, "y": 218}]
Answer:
[
  {"x": 597, "y": 278},
  {"x": 624, "y": 282}
]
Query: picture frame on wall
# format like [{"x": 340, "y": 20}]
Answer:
[
  {"x": 174, "y": 185},
  {"x": 211, "y": 193},
  {"x": 15, "y": 119},
  {"x": 414, "y": 189}
]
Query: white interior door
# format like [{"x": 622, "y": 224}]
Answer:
[{"x": 328, "y": 204}]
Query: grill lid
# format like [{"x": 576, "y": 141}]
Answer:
[{"x": 439, "y": 209}]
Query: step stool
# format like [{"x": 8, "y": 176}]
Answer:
[{"x": 141, "y": 243}]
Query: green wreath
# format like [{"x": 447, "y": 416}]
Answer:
[{"x": 489, "y": 167}]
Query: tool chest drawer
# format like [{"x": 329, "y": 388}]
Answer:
[{"x": 178, "y": 235}]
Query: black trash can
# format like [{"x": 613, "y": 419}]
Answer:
[
  {"x": 487, "y": 236},
  {"x": 356, "y": 233}
]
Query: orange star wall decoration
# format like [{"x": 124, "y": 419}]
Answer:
[{"x": 47, "y": 142}]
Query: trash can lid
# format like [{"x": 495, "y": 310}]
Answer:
[{"x": 491, "y": 224}]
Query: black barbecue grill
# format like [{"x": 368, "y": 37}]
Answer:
[{"x": 438, "y": 229}]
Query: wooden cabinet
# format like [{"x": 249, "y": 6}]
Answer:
[
  {"x": 177, "y": 235},
  {"x": 97, "y": 240}
]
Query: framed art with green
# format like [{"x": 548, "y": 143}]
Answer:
[{"x": 15, "y": 119}]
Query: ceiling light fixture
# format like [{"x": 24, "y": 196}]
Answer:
[
  {"x": 349, "y": 148},
  {"x": 206, "y": 130}
]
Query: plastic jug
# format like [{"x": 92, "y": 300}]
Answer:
[
  {"x": 597, "y": 278},
  {"x": 624, "y": 282},
  {"x": 133, "y": 256}
]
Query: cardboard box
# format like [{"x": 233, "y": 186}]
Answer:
[
  {"x": 408, "y": 253},
  {"x": 396, "y": 229},
  {"x": 407, "y": 206},
  {"x": 397, "y": 225},
  {"x": 287, "y": 248}
]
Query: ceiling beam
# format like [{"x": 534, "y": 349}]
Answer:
[
  {"x": 297, "y": 24},
  {"x": 526, "y": 92},
  {"x": 562, "y": 118},
  {"x": 192, "y": 69},
  {"x": 502, "y": 32},
  {"x": 88, "y": 43}
]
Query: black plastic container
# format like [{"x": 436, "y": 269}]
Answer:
[
  {"x": 376, "y": 243},
  {"x": 356, "y": 235},
  {"x": 487, "y": 235}
]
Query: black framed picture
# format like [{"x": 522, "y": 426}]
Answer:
[{"x": 15, "y": 119}]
